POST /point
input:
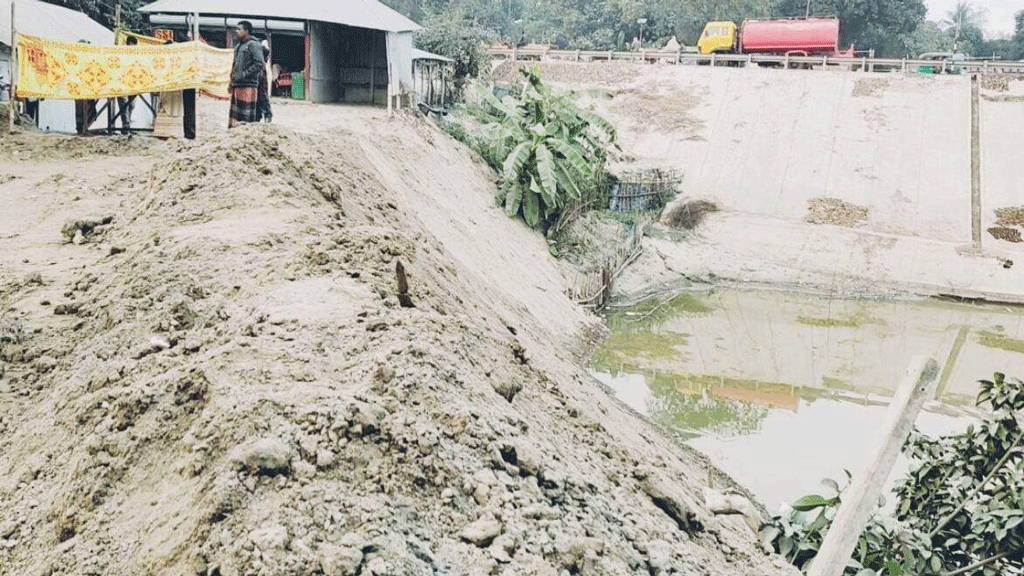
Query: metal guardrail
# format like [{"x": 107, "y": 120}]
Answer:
[{"x": 864, "y": 64}]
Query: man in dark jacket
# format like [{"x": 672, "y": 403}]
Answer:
[{"x": 245, "y": 76}]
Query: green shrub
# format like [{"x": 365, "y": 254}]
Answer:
[
  {"x": 959, "y": 510},
  {"x": 553, "y": 153}
]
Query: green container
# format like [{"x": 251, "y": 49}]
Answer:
[{"x": 298, "y": 86}]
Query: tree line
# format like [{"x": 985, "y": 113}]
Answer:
[{"x": 893, "y": 28}]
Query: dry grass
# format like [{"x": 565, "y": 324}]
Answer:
[
  {"x": 1008, "y": 234},
  {"x": 999, "y": 82},
  {"x": 836, "y": 212},
  {"x": 575, "y": 74},
  {"x": 668, "y": 111},
  {"x": 1010, "y": 216},
  {"x": 689, "y": 215},
  {"x": 870, "y": 87}
]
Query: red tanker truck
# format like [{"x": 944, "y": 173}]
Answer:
[{"x": 793, "y": 36}]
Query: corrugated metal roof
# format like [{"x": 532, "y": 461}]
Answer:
[
  {"x": 359, "y": 13},
  {"x": 423, "y": 55},
  {"x": 51, "y": 22}
]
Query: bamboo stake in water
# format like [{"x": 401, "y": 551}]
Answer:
[{"x": 861, "y": 498}]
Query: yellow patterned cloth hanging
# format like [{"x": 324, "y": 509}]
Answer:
[{"x": 67, "y": 71}]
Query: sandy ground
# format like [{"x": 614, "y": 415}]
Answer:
[
  {"x": 222, "y": 379},
  {"x": 844, "y": 181}
]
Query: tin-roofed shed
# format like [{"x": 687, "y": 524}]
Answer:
[
  {"x": 46, "y": 20},
  {"x": 354, "y": 51}
]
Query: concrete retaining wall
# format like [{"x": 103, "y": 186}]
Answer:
[{"x": 766, "y": 142}]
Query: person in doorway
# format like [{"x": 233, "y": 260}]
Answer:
[
  {"x": 263, "y": 111},
  {"x": 191, "y": 38},
  {"x": 188, "y": 97},
  {"x": 170, "y": 114},
  {"x": 85, "y": 110},
  {"x": 245, "y": 76},
  {"x": 126, "y": 104}
]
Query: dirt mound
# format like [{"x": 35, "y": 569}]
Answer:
[
  {"x": 27, "y": 144},
  {"x": 239, "y": 392}
]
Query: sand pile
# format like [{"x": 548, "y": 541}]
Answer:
[{"x": 235, "y": 389}]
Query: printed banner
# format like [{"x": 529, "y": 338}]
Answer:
[{"x": 67, "y": 71}]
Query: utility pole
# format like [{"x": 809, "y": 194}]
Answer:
[
  {"x": 12, "y": 102},
  {"x": 641, "y": 22}
]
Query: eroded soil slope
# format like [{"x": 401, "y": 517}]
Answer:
[{"x": 221, "y": 379}]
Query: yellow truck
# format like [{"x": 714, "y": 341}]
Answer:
[
  {"x": 717, "y": 38},
  {"x": 777, "y": 36}
]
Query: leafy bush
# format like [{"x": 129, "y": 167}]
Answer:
[
  {"x": 554, "y": 153},
  {"x": 475, "y": 143},
  {"x": 959, "y": 511}
]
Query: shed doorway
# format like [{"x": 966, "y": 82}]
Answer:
[{"x": 288, "y": 65}]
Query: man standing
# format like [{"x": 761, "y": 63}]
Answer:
[{"x": 245, "y": 76}]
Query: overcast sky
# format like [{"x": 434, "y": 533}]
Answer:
[{"x": 999, "y": 13}]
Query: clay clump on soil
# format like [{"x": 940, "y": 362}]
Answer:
[
  {"x": 78, "y": 231},
  {"x": 836, "y": 212},
  {"x": 242, "y": 392}
]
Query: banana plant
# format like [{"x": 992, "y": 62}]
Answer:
[{"x": 554, "y": 152}]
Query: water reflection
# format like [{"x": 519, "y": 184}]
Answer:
[{"x": 794, "y": 384}]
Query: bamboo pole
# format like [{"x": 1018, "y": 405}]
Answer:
[
  {"x": 854, "y": 513},
  {"x": 976, "y": 236},
  {"x": 12, "y": 108}
]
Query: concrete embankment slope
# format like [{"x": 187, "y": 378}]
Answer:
[
  {"x": 881, "y": 163},
  {"x": 769, "y": 141}
]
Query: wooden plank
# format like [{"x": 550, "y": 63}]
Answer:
[{"x": 861, "y": 498}]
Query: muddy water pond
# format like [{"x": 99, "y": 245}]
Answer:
[{"x": 781, "y": 390}]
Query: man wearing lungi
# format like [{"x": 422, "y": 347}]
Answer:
[{"x": 245, "y": 76}]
